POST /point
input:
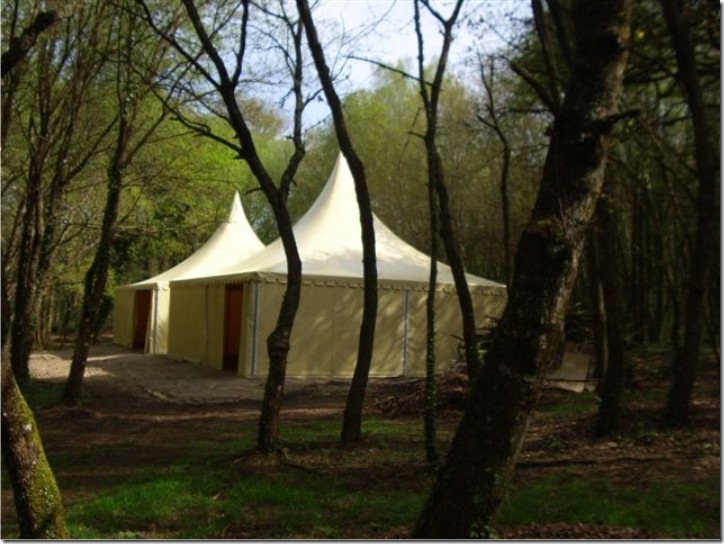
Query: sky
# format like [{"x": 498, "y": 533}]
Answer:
[{"x": 383, "y": 30}]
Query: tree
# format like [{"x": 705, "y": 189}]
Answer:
[
  {"x": 607, "y": 232},
  {"x": 707, "y": 170},
  {"x": 472, "y": 484},
  {"x": 37, "y": 498},
  {"x": 352, "y": 424},
  {"x": 131, "y": 95},
  {"x": 493, "y": 120},
  {"x": 61, "y": 145},
  {"x": 21, "y": 45},
  {"x": 436, "y": 176},
  {"x": 225, "y": 83}
]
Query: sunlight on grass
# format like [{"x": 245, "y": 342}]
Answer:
[{"x": 145, "y": 506}]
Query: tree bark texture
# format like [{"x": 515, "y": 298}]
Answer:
[
  {"x": 431, "y": 449},
  {"x": 37, "y": 498},
  {"x": 96, "y": 277},
  {"x": 473, "y": 482},
  {"x": 708, "y": 171},
  {"x": 611, "y": 390},
  {"x": 21, "y": 45},
  {"x": 227, "y": 85},
  {"x": 436, "y": 176},
  {"x": 352, "y": 424}
]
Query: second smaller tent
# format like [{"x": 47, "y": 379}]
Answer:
[{"x": 141, "y": 310}]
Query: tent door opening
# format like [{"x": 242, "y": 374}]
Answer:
[
  {"x": 233, "y": 298},
  {"x": 141, "y": 314}
]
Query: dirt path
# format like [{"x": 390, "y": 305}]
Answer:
[{"x": 143, "y": 375}]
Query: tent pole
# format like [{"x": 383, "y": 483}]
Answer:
[
  {"x": 254, "y": 328},
  {"x": 405, "y": 330}
]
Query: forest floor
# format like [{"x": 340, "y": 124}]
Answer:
[{"x": 140, "y": 411}]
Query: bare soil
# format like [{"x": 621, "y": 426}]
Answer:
[{"x": 166, "y": 405}]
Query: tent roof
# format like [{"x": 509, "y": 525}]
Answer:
[
  {"x": 329, "y": 239},
  {"x": 233, "y": 242}
]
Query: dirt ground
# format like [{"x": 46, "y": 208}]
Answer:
[{"x": 145, "y": 396}]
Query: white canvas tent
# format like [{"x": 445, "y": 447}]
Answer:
[
  {"x": 223, "y": 321},
  {"x": 140, "y": 314}
]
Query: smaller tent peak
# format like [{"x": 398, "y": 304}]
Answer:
[{"x": 236, "y": 212}]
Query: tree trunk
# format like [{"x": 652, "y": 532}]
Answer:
[
  {"x": 37, "y": 498},
  {"x": 22, "y": 328},
  {"x": 600, "y": 342},
  {"x": 352, "y": 424},
  {"x": 431, "y": 449},
  {"x": 96, "y": 277},
  {"x": 611, "y": 389},
  {"x": 473, "y": 482},
  {"x": 707, "y": 168}
]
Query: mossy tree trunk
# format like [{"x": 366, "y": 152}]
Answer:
[
  {"x": 37, "y": 497},
  {"x": 474, "y": 479}
]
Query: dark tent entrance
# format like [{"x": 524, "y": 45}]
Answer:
[
  {"x": 233, "y": 299},
  {"x": 141, "y": 313}
]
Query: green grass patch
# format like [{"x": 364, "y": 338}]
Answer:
[
  {"x": 671, "y": 509},
  {"x": 172, "y": 503},
  {"x": 572, "y": 406}
]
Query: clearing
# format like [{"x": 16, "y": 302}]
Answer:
[{"x": 145, "y": 416}]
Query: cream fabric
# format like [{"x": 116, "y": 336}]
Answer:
[
  {"x": 233, "y": 242},
  {"x": 325, "y": 337}
]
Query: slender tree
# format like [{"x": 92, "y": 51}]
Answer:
[
  {"x": 352, "y": 424},
  {"x": 493, "y": 120},
  {"x": 131, "y": 95},
  {"x": 708, "y": 171},
  {"x": 612, "y": 384},
  {"x": 226, "y": 81},
  {"x": 436, "y": 174},
  {"x": 66, "y": 71},
  {"x": 473, "y": 482}
]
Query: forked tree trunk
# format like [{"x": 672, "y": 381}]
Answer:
[
  {"x": 436, "y": 176},
  {"x": 474, "y": 480}
]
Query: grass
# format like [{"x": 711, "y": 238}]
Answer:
[
  {"x": 673, "y": 509},
  {"x": 218, "y": 488}
]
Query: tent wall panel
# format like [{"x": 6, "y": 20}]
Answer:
[
  {"x": 123, "y": 318},
  {"x": 248, "y": 346},
  {"x": 188, "y": 324},
  {"x": 347, "y": 312},
  {"x": 313, "y": 333},
  {"x": 388, "y": 355},
  {"x": 156, "y": 340},
  {"x": 258, "y": 364},
  {"x": 417, "y": 332}
]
